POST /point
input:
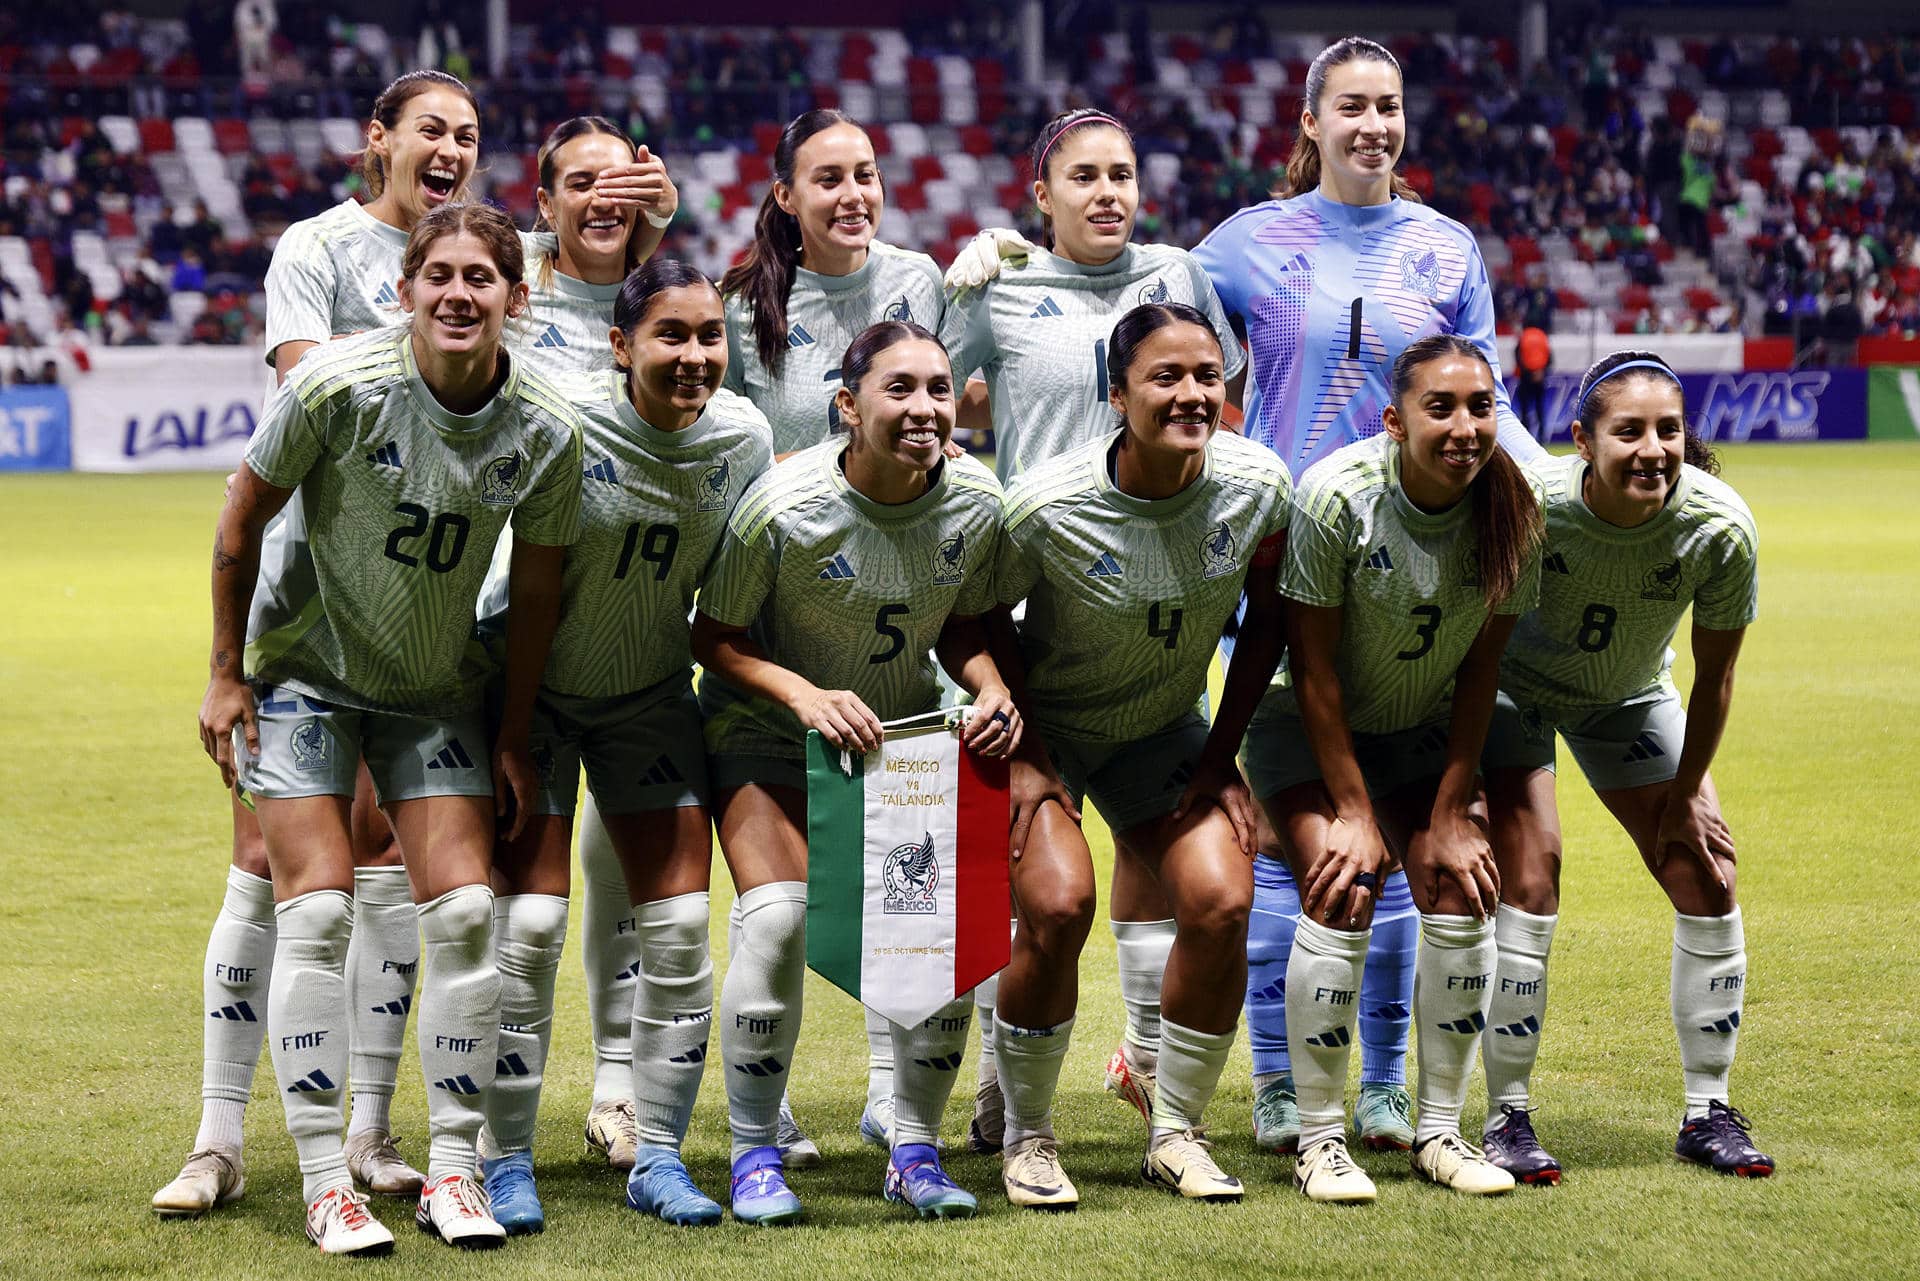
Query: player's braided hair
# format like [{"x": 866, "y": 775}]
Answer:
[
  {"x": 1046, "y": 146},
  {"x": 1507, "y": 526},
  {"x": 1597, "y": 391},
  {"x": 1303, "y": 162},
  {"x": 387, "y": 108},
  {"x": 563, "y": 133},
  {"x": 764, "y": 278}
]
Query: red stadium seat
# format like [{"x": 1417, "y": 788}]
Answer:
[
  {"x": 756, "y": 168},
  {"x": 766, "y": 137},
  {"x": 962, "y": 228},
  {"x": 928, "y": 168},
  {"x": 976, "y": 140},
  {"x": 156, "y": 135},
  {"x": 876, "y": 134},
  {"x": 231, "y": 137}
]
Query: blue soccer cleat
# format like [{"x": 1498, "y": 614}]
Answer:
[
  {"x": 1719, "y": 1141},
  {"x": 510, "y": 1192},
  {"x": 660, "y": 1185},
  {"x": 760, "y": 1191},
  {"x": 876, "y": 1125},
  {"x": 914, "y": 1178}
]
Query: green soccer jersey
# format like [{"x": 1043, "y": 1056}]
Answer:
[
  {"x": 824, "y": 315},
  {"x": 1126, "y": 596},
  {"x": 1038, "y": 335},
  {"x": 335, "y": 273},
  {"x": 401, "y": 503},
  {"x": 1405, "y": 580},
  {"x": 1611, "y": 598},
  {"x": 564, "y": 331},
  {"x": 847, "y": 592}
]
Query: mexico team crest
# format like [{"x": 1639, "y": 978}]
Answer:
[
  {"x": 1662, "y": 582},
  {"x": 950, "y": 560},
  {"x": 1155, "y": 291},
  {"x": 714, "y": 483},
  {"x": 911, "y": 876},
  {"x": 1217, "y": 552},
  {"x": 1420, "y": 272},
  {"x": 899, "y": 309},
  {"x": 312, "y": 746},
  {"x": 500, "y": 482}
]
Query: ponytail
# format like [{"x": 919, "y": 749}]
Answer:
[{"x": 1303, "y": 162}]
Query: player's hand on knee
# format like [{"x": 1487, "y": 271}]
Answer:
[
  {"x": 1346, "y": 880},
  {"x": 1030, "y": 785},
  {"x": 1219, "y": 783},
  {"x": 1455, "y": 848},
  {"x": 1693, "y": 823}
]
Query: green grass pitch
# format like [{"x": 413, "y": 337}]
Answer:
[{"x": 115, "y": 844}]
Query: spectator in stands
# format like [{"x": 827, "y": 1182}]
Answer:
[
  {"x": 1697, "y": 182},
  {"x": 189, "y": 274},
  {"x": 1535, "y": 357}
]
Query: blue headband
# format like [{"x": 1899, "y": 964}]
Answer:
[{"x": 1656, "y": 366}]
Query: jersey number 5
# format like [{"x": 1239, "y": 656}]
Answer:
[{"x": 896, "y": 639}]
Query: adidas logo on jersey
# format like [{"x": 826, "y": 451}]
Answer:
[
  {"x": 799, "y": 337},
  {"x": 1555, "y": 563},
  {"x": 838, "y": 570},
  {"x": 386, "y": 297},
  {"x": 1105, "y": 567},
  {"x": 1380, "y": 560},
  {"x": 1047, "y": 307},
  {"x": 387, "y": 455},
  {"x": 452, "y": 756},
  {"x": 1645, "y": 748},
  {"x": 603, "y": 471},
  {"x": 551, "y": 338},
  {"x": 662, "y": 772}
]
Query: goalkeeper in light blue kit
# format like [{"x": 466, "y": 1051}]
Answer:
[{"x": 1332, "y": 283}]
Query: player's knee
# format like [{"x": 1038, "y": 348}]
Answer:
[
  {"x": 673, "y": 937},
  {"x": 773, "y": 924},
  {"x": 1535, "y": 887},
  {"x": 1060, "y": 915}
]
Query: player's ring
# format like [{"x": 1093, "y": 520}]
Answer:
[
  {"x": 1002, "y": 718},
  {"x": 1366, "y": 881}
]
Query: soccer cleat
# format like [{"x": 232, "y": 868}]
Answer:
[
  {"x": 1383, "y": 1117},
  {"x": 988, "y": 1130},
  {"x": 1719, "y": 1141},
  {"x": 1276, "y": 1117},
  {"x": 611, "y": 1129},
  {"x": 1513, "y": 1146},
  {"x": 1452, "y": 1162},
  {"x": 338, "y": 1223},
  {"x": 373, "y": 1159},
  {"x": 454, "y": 1208},
  {"x": 1130, "y": 1084},
  {"x": 514, "y": 1202},
  {"x": 661, "y": 1186},
  {"x": 914, "y": 1178},
  {"x": 760, "y": 1191},
  {"x": 1031, "y": 1172},
  {"x": 876, "y": 1125},
  {"x": 212, "y": 1177},
  {"x": 1183, "y": 1163},
  {"x": 1327, "y": 1174},
  {"x": 797, "y": 1151}
]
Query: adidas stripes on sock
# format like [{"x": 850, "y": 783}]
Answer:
[
  {"x": 1140, "y": 950},
  {"x": 307, "y": 1030},
  {"x": 1190, "y": 1066},
  {"x": 610, "y": 953},
  {"x": 1270, "y": 927},
  {"x": 459, "y": 1023},
  {"x": 529, "y": 931},
  {"x": 1029, "y": 1060},
  {"x": 382, "y": 961},
  {"x": 880, "y": 1051},
  {"x": 926, "y": 1063},
  {"x": 672, "y": 1016},
  {"x": 760, "y": 1005},
  {"x": 1709, "y": 989},
  {"x": 1386, "y": 992},
  {"x": 1518, "y": 1012},
  {"x": 239, "y": 967},
  {"x": 1452, "y": 986},
  {"x": 1323, "y": 982}
]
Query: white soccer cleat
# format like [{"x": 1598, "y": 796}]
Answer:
[
  {"x": 338, "y": 1222},
  {"x": 797, "y": 1151},
  {"x": 213, "y": 1176},
  {"x": 1327, "y": 1174},
  {"x": 611, "y": 1129},
  {"x": 1183, "y": 1163},
  {"x": 454, "y": 1208},
  {"x": 1132, "y": 1085},
  {"x": 1452, "y": 1162},
  {"x": 375, "y": 1164},
  {"x": 1034, "y": 1180}
]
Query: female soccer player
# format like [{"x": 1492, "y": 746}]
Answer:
[
  {"x": 1131, "y": 551},
  {"x": 1409, "y": 557},
  {"x": 842, "y": 569},
  {"x": 1638, "y": 528},
  {"x": 1331, "y": 281},
  {"x": 663, "y": 463},
  {"x": 409, "y": 448},
  {"x": 336, "y": 273}
]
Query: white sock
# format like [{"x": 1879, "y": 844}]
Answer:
[
  {"x": 610, "y": 952},
  {"x": 1029, "y": 1060},
  {"x": 1518, "y": 1013},
  {"x": 382, "y": 961},
  {"x": 760, "y": 1005},
  {"x": 926, "y": 1063},
  {"x": 459, "y": 1023},
  {"x": 529, "y": 931},
  {"x": 239, "y": 967},
  {"x": 983, "y": 999},
  {"x": 1190, "y": 1067},
  {"x": 307, "y": 1029},
  {"x": 672, "y": 1016},
  {"x": 1140, "y": 950},
  {"x": 1709, "y": 989},
  {"x": 1452, "y": 986},
  {"x": 879, "y": 1062},
  {"x": 1323, "y": 985}
]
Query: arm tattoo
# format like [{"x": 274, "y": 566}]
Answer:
[{"x": 223, "y": 560}]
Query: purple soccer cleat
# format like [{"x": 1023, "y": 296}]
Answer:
[
  {"x": 1514, "y": 1147},
  {"x": 1719, "y": 1141}
]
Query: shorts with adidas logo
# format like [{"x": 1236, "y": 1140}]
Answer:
[
  {"x": 643, "y": 751},
  {"x": 1633, "y": 743},
  {"x": 1276, "y": 754},
  {"x": 1132, "y": 783},
  {"x": 313, "y": 748}
]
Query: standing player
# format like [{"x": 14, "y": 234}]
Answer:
[
  {"x": 409, "y": 448},
  {"x": 662, "y": 464},
  {"x": 842, "y": 570},
  {"x": 336, "y": 273},
  {"x": 1331, "y": 284},
  {"x": 1131, "y": 551},
  {"x": 1409, "y": 557},
  {"x": 1638, "y": 528}
]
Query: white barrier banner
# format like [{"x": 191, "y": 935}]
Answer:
[
  {"x": 167, "y": 408},
  {"x": 1687, "y": 353}
]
